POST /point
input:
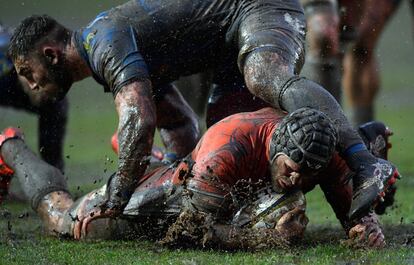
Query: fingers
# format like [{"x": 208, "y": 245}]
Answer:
[
  {"x": 295, "y": 178},
  {"x": 284, "y": 182},
  {"x": 85, "y": 224},
  {"x": 356, "y": 231},
  {"x": 80, "y": 229},
  {"x": 363, "y": 235},
  {"x": 377, "y": 240},
  {"x": 77, "y": 230}
]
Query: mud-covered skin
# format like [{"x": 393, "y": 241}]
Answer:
[
  {"x": 52, "y": 117},
  {"x": 367, "y": 232},
  {"x": 137, "y": 122},
  {"x": 154, "y": 205},
  {"x": 135, "y": 133}
]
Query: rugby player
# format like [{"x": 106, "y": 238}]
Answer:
[
  {"x": 137, "y": 49},
  {"x": 264, "y": 149}
]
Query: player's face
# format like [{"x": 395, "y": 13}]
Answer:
[
  {"x": 47, "y": 82},
  {"x": 287, "y": 174}
]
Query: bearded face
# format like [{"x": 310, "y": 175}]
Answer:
[{"x": 44, "y": 81}]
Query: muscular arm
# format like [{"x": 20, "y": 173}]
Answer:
[
  {"x": 137, "y": 119},
  {"x": 177, "y": 123}
]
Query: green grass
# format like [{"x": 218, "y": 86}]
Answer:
[{"x": 93, "y": 121}]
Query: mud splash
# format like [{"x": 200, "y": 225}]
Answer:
[{"x": 197, "y": 229}]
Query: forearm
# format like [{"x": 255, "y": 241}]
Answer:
[
  {"x": 52, "y": 128},
  {"x": 135, "y": 133}
]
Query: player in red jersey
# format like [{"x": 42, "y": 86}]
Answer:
[{"x": 242, "y": 163}]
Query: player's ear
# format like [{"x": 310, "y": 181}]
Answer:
[{"x": 51, "y": 54}]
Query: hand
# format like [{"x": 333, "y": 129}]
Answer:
[
  {"x": 285, "y": 174},
  {"x": 80, "y": 229},
  {"x": 292, "y": 224},
  {"x": 367, "y": 233}
]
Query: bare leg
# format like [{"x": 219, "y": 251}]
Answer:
[
  {"x": 45, "y": 187},
  {"x": 323, "y": 58},
  {"x": 361, "y": 74}
]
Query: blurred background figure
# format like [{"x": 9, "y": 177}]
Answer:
[{"x": 342, "y": 36}]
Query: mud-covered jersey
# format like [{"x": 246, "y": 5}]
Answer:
[
  {"x": 238, "y": 147},
  {"x": 157, "y": 39}
]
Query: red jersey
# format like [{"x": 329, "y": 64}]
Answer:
[{"x": 237, "y": 148}]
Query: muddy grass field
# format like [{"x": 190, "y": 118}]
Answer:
[
  {"x": 89, "y": 162},
  {"x": 21, "y": 242}
]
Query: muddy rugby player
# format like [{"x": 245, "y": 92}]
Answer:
[
  {"x": 344, "y": 33},
  {"x": 244, "y": 180},
  {"x": 136, "y": 49}
]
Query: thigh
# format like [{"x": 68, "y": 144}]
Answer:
[{"x": 273, "y": 25}]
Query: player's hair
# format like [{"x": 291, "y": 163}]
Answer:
[
  {"x": 34, "y": 29},
  {"x": 307, "y": 136}
]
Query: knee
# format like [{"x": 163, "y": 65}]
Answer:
[
  {"x": 265, "y": 73},
  {"x": 361, "y": 52},
  {"x": 323, "y": 34}
]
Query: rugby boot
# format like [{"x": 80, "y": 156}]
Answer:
[
  {"x": 370, "y": 184},
  {"x": 6, "y": 172},
  {"x": 376, "y": 137},
  {"x": 5, "y": 176}
]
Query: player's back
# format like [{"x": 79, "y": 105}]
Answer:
[
  {"x": 237, "y": 146},
  {"x": 179, "y": 34}
]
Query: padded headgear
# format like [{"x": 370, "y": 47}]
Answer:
[{"x": 307, "y": 136}]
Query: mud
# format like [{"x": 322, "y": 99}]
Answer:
[{"x": 197, "y": 229}]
